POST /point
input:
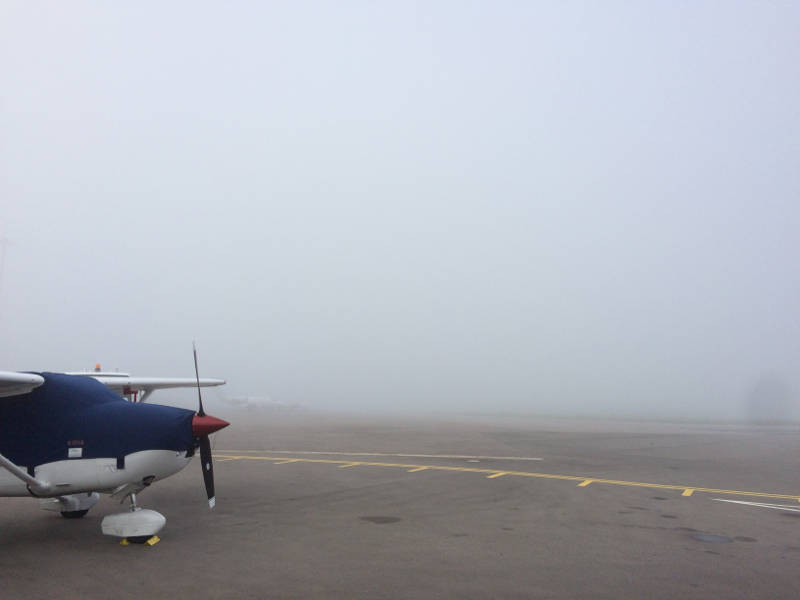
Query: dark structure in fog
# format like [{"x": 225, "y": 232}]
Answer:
[{"x": 770, "y": 400}]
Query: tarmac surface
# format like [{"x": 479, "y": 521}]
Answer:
[{"x": 338, "y": 506}]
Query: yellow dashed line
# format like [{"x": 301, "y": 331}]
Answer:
[
  {"x": 495, "y": 475},
  {"x": 490, "y": 472},
  {"x": 585, "y": 482}
]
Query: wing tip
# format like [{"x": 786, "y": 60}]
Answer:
[{"x": 14, "y": 383}]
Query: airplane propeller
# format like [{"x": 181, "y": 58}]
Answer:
[{"x": 202, "y": 426}]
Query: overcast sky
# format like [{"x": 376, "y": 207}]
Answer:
[{"x": 535, "y": 206}]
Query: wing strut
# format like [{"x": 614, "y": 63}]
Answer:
[{"x": 36, "y": 486}]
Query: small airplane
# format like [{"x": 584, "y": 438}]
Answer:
[
  {"x": 261, "y": 403},
  {"x": 66, "y": 438}
]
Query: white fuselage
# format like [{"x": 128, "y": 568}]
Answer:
[{"x": 74, "y": 476}]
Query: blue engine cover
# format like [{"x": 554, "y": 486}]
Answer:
[{"x": 75, "y": 411}]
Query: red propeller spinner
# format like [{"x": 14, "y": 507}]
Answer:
[{"x": 206, "y": 424}]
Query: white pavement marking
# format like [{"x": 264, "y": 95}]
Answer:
[
  {"x": 760, "y": 504},
  {"x": 320, "y": 452}
]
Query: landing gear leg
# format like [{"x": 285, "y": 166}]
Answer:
[{"x": 136, "y": 539}]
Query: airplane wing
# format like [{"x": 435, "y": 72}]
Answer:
[
  {"x": 125, "y": 384},
  {"x": 153, "y": 383},
  {"x": 14, "y": 384}
]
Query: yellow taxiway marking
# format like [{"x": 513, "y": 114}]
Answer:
[
  {"x": 395, "y": 454},
  {"x": 417, "y": 469},
  {"x": 287, "y": 461},
  {"x": 348, "y": 465},
  {"x": 585, "y": 482},
  {"x": 495, "y": 475},
  {"x": 658, "y": 486},
  {"x": 688, "y": 492}
]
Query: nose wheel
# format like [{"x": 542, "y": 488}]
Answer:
[
  {"x": 138, "y": 539},
  {"x": 136, "y": 526}
]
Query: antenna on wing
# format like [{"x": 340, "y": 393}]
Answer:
[{"x": 200, "y": 412}]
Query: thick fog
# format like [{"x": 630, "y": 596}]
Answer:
[{"x": 534, "y": 207}]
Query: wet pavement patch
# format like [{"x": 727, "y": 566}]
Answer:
[
  {"x": 713, "y": 539},
  {"x": 380, "y": 520}
]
